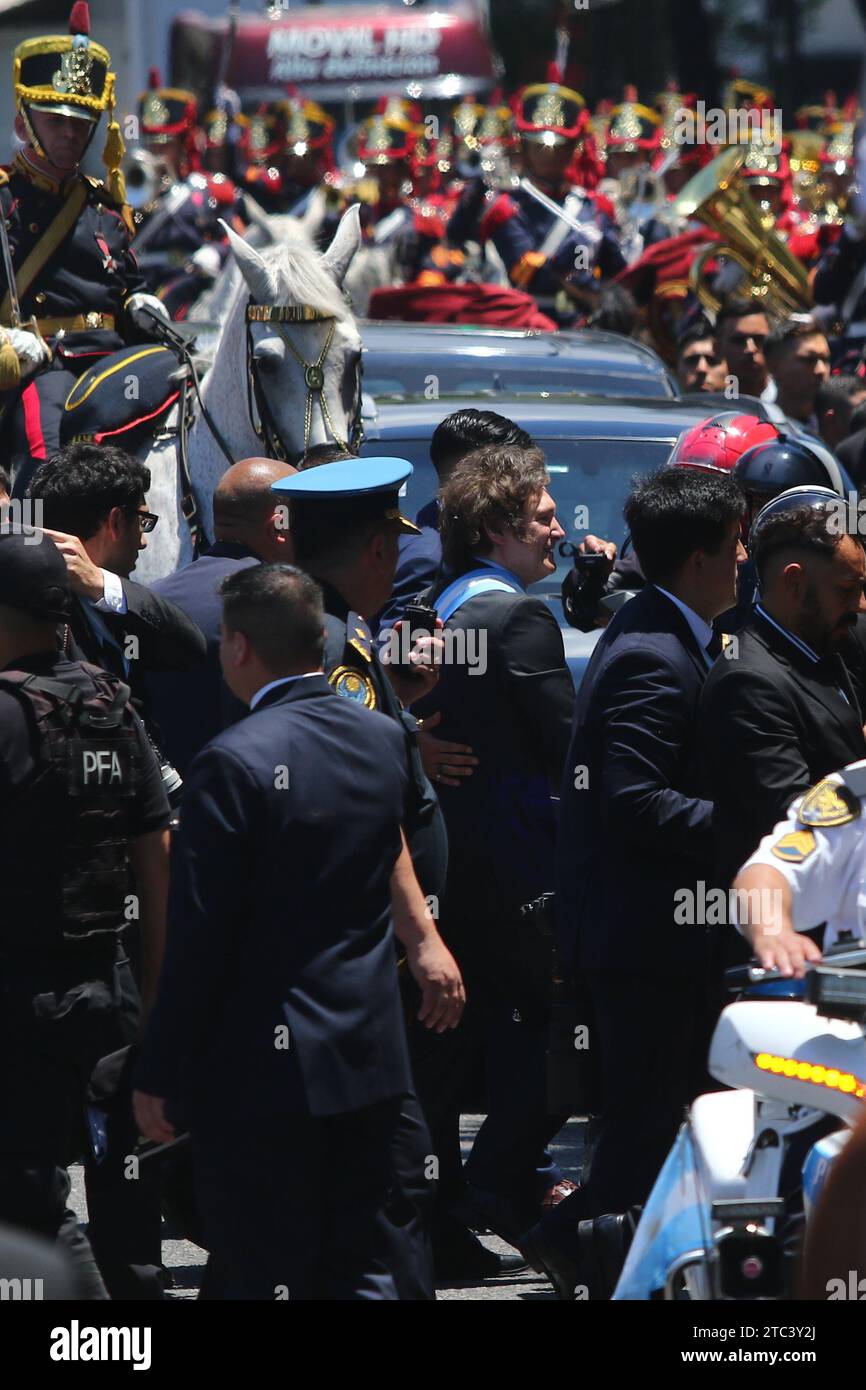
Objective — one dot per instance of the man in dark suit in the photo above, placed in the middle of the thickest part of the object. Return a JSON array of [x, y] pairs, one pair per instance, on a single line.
[[504, 689], [278, 1022], [93, 507], [779, 710], [191, 708], [346, 523], [633, 834]]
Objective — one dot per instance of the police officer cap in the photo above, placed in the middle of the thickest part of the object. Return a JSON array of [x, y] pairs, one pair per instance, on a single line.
[[33, 576], [364, 487]]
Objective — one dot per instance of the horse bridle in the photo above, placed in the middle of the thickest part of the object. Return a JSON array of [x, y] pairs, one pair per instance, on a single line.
[[260, 412]]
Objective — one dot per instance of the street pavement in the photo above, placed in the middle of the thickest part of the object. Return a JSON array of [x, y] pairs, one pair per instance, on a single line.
[[186, 1261]]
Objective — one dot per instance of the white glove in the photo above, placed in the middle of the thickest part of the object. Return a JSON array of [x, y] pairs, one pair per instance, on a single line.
[[31, 352], [207, 260], [135, 307]]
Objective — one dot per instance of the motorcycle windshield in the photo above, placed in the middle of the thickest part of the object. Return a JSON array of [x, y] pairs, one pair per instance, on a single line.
[[675, 1220]]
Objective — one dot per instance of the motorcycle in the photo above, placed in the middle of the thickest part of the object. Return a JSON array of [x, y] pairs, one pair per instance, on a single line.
[[726, 1215]]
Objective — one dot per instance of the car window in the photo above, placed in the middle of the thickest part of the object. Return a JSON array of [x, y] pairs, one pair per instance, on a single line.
[[589, 481], [389, 376]]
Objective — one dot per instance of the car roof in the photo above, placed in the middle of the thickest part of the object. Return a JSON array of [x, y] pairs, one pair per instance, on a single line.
[[588, 346], [551, 417]]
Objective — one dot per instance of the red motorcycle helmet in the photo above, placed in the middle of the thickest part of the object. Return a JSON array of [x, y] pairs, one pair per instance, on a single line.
[[716, 444]]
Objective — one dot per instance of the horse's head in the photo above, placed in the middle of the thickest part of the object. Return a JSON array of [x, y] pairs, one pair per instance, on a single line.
[[303, 345]]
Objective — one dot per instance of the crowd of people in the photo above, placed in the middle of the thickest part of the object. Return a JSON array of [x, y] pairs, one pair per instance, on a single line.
[[305, 843], [285, 1034]]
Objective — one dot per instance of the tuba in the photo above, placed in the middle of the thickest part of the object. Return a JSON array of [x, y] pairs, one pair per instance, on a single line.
[[146, 178], [775, 278]]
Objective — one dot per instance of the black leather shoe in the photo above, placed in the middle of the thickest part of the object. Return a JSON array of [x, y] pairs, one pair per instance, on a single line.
[[463, 1258], [482, 1210], [548, 1259]]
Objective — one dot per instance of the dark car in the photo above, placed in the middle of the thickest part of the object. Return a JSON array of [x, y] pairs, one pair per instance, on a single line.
[[593, 447], [402, 360]]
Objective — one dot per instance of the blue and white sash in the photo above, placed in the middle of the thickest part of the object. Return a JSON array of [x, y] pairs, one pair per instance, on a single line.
[[486, 580]]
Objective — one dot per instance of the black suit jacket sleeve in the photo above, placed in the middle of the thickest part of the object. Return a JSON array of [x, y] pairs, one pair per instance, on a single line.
[[647, 729], [539, 681], [168, 639], [211, 891], [754, 749]]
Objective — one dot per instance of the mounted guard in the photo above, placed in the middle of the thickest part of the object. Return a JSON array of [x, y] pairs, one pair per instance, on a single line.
[[71, 295]]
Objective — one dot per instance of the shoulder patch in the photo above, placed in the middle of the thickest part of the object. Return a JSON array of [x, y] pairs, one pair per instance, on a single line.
[[794, 847], [828, 803], [353, 685]]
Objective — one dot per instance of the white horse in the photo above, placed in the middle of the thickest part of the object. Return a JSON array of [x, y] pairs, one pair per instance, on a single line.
[[265, 229], [283, 352]]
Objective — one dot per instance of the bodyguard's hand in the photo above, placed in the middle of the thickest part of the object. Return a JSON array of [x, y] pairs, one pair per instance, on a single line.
[[437, 974], [84, 576], [444, 762], [149, 1114], [419, 677]]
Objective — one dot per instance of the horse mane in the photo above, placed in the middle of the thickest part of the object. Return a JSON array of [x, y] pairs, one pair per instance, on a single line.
[[299, 275]]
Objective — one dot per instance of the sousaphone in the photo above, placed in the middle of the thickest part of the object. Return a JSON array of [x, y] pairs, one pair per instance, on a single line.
[[774, 277]]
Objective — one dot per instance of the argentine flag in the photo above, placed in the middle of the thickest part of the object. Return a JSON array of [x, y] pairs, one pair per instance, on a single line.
[[676, 1219]]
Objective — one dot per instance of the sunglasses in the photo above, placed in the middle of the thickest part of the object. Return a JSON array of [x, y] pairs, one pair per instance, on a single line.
[[146, 520]]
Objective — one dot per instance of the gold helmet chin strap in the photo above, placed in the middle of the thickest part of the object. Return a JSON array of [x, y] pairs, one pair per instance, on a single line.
[[34, 138]]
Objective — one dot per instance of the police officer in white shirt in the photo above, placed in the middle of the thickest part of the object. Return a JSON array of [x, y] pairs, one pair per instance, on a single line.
[[811, 869]]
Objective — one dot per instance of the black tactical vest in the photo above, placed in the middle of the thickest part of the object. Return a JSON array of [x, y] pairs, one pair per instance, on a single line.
[[68, 853]]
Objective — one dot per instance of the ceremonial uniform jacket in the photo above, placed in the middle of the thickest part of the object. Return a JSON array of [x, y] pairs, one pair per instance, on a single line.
[[194, 223], [539, 249], [840, 275], [90, 273]]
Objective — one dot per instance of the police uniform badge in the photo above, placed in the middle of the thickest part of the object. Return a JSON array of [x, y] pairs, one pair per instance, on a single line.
[[828, 803], [794, 847], [353, 685]]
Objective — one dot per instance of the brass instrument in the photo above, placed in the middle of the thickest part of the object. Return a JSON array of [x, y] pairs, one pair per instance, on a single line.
[[146, 176], [776, 279]]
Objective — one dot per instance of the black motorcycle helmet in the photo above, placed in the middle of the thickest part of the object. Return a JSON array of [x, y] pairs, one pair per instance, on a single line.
[[790, 461]]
